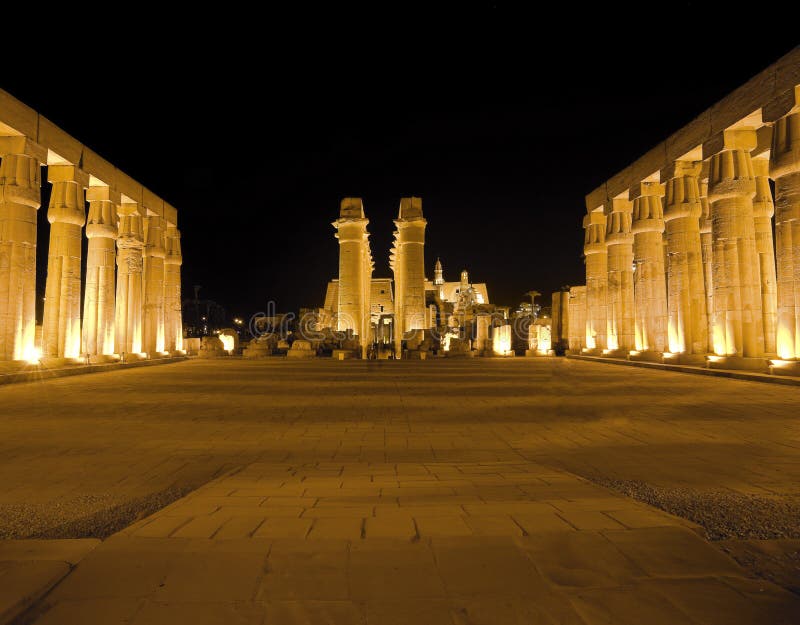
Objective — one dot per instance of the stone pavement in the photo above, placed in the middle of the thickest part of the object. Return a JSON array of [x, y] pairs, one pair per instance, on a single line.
[[400, 492]]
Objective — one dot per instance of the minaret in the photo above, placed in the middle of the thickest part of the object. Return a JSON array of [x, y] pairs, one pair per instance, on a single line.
[[355, 270], [407, 260], [438, 273]]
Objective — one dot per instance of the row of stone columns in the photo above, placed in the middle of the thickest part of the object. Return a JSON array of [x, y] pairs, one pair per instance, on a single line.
[[129, 306], [686, 264]]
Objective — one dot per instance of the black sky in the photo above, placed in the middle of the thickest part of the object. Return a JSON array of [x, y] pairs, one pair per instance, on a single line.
[[256, 133]]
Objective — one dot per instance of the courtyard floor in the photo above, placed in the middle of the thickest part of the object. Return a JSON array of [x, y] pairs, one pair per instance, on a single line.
[[424, 492]]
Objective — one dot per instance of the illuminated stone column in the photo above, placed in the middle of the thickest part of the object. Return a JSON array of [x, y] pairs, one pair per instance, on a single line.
[[619, 241], [785, 170], [763, 210], [173, 322], [20, 197], [355, 261], [650, 289], [408, 264], [738, 322], [98, 301], [707, 259], [61, 327], [577, 319], [594, 249], [128, 318], [154, 254], [687, 329]]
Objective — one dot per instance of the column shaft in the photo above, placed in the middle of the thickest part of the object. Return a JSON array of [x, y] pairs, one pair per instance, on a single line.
[[128, 318], [738, 321], [173, 321], [763, 210], [154, 253], [708, 262], [686, 297], [619, 240], [785, 169], [650, 291], [61, 328], [20, 197], [596, 254], [99, 299]]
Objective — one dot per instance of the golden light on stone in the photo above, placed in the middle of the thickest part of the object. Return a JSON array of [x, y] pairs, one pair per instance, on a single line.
[[501, 340], [710, 282]]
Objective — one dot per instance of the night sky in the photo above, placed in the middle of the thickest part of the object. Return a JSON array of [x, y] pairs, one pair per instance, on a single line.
[[255, 138]]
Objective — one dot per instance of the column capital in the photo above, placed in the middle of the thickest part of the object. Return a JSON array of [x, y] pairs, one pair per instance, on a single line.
[[68, 173], [682, 197], [619, 215], [173, 245], [102, 193], [154, 237], [646, 188], [762, 201], [594, 224], [785, 153], [103, 220], [740, 139]]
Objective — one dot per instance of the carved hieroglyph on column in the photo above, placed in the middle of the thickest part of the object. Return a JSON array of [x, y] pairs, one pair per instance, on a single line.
[[785, 169], [407, 260], [650, 290], [154, 253], [128, 318], [173, 323], [738, 323], [98, 301], [594, 248], [620, 274], [707, 255], [763, 210], [355, 270], [20, 197], [61, 327], [688, 321]]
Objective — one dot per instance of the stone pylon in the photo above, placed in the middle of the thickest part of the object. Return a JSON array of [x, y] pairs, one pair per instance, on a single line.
[[707, 259], [650, 289], [20, 197], [173, 322], [154, 253], [785, 170], [687, 329], [594, 249], [407, 260], [619, 241], [355, 271], [763, 211], [61, 327], [738, 320], [128, 318], [99, 297]]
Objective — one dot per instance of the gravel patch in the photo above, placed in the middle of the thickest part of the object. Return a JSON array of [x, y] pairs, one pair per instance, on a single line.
[[85, 516], [723, 514]]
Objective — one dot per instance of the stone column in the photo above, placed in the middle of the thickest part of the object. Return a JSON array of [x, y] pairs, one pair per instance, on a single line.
[[61, 327], [20, 197], [354, 261], [738, 322], [173, 320], [130, 241], [687, 329], [650, 289], [707, 259], [154, 254], [577, 319], [98, 301], [785, 170], [409, 269], [620, 275], [763, 210], [594, 249]]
